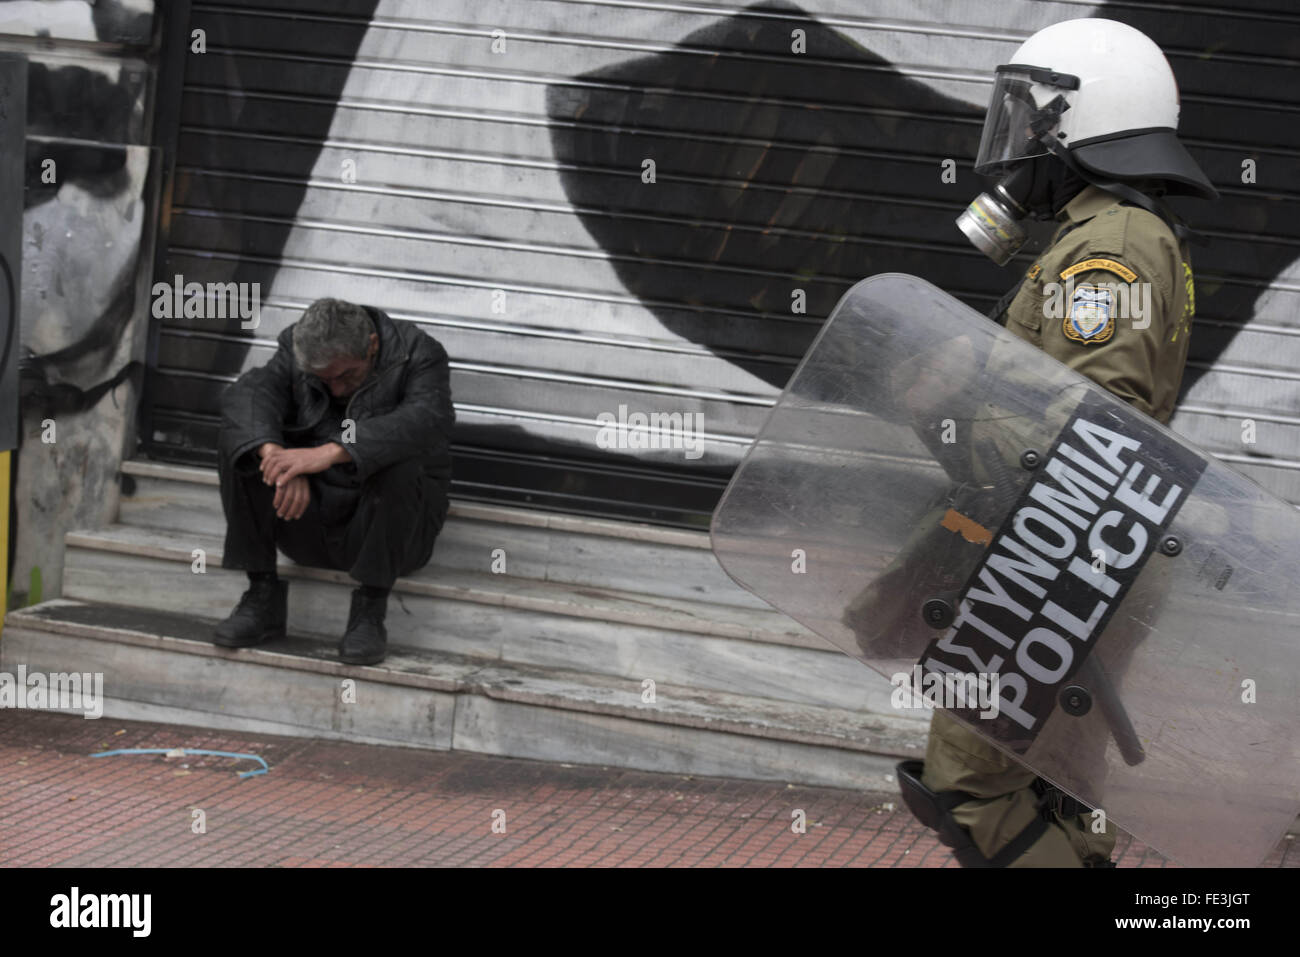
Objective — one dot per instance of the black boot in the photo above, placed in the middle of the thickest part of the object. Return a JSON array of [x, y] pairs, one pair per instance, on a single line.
[[260, 615], [366, 640]]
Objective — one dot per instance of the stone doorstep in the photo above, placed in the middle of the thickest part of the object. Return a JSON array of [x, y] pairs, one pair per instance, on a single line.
[[549, 688], [189, 501], [579, 601], [579, 553], [491, 632], [473, 511]]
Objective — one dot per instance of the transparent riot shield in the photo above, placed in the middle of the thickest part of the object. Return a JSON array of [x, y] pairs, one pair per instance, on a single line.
[[1079, 585]]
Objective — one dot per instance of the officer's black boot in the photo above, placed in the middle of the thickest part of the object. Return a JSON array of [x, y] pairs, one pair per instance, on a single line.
[[934, 810], [366, 640], [259, 616]]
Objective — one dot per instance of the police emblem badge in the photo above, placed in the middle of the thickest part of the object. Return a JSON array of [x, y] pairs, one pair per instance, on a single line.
[[1092, 314]]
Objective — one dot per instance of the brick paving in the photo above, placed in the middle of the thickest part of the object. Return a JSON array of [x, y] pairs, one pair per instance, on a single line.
[[335, 804]]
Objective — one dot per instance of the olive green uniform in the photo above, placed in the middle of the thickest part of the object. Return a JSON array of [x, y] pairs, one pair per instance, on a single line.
[[1102, 246]]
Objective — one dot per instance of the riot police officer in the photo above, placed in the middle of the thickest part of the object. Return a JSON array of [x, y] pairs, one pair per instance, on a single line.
[[1081, 129]]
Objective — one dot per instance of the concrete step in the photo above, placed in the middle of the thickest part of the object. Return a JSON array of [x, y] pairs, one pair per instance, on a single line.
[[498, 618], [541, 546], [158, 665]]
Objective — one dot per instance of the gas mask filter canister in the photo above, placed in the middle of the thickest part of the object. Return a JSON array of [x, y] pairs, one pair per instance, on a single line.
[[992, 224]]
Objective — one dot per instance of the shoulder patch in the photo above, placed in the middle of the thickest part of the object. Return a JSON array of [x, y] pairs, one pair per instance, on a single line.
[[1109, 265], [1092, 314]]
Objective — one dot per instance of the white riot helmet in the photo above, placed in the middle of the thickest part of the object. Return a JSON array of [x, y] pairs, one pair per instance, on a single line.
[[1100, 96], [1101, 89]]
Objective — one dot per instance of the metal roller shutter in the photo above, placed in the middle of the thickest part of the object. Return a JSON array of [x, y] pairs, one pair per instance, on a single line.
[[396, 153]]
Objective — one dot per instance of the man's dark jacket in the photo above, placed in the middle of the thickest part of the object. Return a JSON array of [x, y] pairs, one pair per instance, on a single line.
[[403, 409]]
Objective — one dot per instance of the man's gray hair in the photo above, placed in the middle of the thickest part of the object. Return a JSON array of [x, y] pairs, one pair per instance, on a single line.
[[331, 329]]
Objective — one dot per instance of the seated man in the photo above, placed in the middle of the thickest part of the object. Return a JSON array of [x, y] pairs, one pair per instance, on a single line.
[[337, 451]]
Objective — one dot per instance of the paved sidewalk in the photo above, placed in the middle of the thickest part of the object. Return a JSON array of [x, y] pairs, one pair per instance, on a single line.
[[331, 804]]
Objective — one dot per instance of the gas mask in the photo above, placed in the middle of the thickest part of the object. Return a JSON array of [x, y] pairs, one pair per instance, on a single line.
[[1032, 189]]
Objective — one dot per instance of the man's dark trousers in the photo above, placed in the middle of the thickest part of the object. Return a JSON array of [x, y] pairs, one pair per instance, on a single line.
[[376, 533]]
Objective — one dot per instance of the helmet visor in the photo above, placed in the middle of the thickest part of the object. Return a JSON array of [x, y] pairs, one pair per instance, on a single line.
[[1025, 108]]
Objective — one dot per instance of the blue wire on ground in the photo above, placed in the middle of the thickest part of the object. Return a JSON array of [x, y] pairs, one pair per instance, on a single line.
[[219, 754]]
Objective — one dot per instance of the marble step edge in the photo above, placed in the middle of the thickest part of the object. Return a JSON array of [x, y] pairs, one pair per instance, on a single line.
[[474, 511], [522, 684], [434, 581]]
